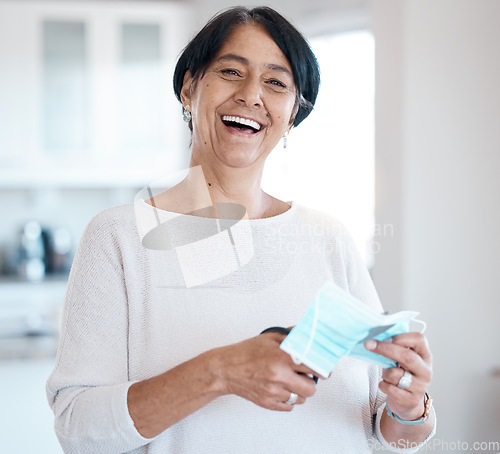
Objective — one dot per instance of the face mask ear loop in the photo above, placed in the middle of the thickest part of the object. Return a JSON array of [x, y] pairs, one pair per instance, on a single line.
[[424, 325], [298, 359]]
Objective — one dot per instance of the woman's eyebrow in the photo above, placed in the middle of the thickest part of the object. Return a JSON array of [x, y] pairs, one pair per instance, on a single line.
[[245, 61], [231, 57]]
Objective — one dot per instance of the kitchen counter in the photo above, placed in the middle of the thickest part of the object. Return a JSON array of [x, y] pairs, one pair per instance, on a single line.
[[29, 330], [28, 348]]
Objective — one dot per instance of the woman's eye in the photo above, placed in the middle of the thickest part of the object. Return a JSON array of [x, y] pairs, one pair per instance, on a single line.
[[277, 83], [230, 72]]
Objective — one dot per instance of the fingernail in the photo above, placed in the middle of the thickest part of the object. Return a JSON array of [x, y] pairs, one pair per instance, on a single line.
[[370, 344]]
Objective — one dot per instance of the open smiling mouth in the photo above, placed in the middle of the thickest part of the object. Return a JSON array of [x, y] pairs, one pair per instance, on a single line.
[[241, 124]]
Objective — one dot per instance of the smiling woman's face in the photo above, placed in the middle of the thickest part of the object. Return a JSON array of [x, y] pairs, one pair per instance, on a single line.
[[244, 103]]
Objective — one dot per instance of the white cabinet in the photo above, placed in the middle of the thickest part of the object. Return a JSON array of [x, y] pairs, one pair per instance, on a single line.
[[86, 93]]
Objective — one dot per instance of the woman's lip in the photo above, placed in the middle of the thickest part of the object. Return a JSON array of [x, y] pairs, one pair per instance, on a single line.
[[242, 132], [243, 120]]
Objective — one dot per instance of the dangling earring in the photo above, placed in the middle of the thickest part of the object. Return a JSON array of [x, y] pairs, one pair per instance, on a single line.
[[285, 139], [186, 114]]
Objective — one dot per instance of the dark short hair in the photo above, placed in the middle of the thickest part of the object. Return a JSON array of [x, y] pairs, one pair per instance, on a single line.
[[202, 49]]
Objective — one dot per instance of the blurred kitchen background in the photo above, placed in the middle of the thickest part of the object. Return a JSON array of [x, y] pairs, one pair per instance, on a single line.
[[403, 147]]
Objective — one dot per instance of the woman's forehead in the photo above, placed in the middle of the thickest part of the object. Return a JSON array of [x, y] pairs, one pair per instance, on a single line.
[[252, 43]]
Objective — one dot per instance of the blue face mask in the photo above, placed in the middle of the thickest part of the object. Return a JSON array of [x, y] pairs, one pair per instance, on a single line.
[[338, 324]]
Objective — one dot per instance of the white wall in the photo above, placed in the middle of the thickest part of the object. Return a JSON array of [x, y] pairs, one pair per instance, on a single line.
[[313, 17], [437, 152]]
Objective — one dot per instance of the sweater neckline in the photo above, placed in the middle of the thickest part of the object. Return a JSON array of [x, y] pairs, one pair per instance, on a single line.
[[279, 217]]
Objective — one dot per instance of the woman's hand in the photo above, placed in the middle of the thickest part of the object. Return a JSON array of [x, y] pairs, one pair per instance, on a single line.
[[411, 352], [257, 370]]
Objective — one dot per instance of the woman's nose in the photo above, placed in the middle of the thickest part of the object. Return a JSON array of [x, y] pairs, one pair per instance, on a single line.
[[249, 92]]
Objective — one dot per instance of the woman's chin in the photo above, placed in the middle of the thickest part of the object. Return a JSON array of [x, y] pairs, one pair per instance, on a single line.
[[240, 159]]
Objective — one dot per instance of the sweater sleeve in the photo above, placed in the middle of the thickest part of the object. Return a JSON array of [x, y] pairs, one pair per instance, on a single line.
[[88, 387], [361, 286]]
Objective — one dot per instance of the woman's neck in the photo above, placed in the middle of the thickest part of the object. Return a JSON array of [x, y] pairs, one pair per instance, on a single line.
[[230, 185]]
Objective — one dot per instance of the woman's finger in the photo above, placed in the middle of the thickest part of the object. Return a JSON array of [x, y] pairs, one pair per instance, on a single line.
[[299, 400], [392, 375], [303, 369], [402, 402], [407, 358], [415, 341], [301, 384]]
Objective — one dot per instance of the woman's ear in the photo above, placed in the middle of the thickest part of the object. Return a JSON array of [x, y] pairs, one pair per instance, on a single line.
[[295, 111], [187, 86]]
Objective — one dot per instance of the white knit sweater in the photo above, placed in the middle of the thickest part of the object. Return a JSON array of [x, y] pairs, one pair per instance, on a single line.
[[129, 315]]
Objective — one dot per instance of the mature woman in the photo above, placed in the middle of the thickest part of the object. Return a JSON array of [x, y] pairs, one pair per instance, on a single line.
[[149, 362]]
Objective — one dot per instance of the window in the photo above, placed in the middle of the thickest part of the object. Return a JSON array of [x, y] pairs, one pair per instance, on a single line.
[[329, 162]]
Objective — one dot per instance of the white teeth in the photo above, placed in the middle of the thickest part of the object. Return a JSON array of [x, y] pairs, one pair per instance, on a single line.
[[243, 121]]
